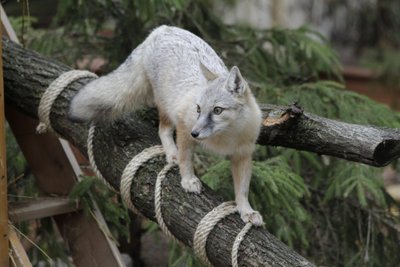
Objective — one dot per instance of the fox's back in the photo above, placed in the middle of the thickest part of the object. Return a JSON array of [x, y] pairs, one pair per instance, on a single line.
[[172, 63], [172, 68]]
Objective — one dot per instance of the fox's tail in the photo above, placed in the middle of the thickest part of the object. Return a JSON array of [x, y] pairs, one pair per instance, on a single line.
[[125, 89]]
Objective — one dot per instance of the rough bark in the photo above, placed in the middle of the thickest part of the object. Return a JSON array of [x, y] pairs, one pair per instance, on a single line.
[[304, 131], [27, 75], [366, 144]]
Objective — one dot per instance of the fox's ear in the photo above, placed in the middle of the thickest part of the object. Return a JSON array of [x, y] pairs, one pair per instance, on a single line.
[[210, 76], [235, 83]]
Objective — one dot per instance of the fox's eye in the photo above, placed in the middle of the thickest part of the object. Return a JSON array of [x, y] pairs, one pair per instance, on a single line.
[[198, 109], [218, 110]]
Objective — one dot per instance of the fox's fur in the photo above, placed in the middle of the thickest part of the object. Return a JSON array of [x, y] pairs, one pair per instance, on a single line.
[[195, 93]]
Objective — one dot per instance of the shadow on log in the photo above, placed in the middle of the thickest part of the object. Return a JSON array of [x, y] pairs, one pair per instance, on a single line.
[[26, 76]]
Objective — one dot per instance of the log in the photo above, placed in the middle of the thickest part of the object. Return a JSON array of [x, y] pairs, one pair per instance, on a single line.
[[27, 74], [303, 131]]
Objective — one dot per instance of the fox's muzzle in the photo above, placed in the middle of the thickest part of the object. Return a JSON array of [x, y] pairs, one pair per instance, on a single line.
[[203, 127]]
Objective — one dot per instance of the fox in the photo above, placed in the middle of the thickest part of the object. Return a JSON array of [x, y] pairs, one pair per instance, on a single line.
[[196, 96]]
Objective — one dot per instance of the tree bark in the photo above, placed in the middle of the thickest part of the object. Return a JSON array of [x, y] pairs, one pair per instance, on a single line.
[[304, 131], [27, 74]]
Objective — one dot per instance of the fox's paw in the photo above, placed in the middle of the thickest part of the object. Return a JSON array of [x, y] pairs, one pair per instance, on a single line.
[[191, 184], [253, 216]]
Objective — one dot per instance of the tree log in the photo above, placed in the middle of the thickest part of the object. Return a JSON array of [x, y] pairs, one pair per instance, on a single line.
[[26, 76], [366, 144], [304, 131]]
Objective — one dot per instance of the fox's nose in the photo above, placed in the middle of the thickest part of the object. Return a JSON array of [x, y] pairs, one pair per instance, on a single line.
[[194, 134]]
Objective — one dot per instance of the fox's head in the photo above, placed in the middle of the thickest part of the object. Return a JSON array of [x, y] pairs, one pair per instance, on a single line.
[[222, 104]]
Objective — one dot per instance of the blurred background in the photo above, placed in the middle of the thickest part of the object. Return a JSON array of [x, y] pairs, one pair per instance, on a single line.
[[338, 58]]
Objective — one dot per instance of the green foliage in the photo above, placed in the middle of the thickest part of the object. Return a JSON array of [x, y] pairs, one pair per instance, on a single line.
[[276, 193], [334, 212], [90, 191], [51, 248], [358, 181], [329, 99], [279, 56], [51, 42], [105, 22]]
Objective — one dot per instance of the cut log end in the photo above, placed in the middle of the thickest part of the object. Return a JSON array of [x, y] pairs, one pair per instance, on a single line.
[[387, 151]]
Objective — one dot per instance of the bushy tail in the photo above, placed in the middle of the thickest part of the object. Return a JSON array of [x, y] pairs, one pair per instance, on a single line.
[[106, 98]]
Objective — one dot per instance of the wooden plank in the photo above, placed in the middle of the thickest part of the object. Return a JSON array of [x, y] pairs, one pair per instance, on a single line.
[[40, 208], [72, 157], [6, 27], [89, 243], [18, 253], [394, 191], [4, 245]]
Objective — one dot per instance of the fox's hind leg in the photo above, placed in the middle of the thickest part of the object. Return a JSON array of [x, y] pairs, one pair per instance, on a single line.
[[186, 145], [166, 133]]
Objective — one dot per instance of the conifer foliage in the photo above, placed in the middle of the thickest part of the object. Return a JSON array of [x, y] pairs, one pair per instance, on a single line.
[[335, 213]]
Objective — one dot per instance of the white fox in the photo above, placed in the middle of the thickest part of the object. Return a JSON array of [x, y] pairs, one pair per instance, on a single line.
[[195, 93]]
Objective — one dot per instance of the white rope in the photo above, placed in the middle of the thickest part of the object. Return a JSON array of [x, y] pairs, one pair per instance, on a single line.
[[157, 201], [92, 161], [47, 101], [51, 93], [130, 171], [238, 241], [206, 224]]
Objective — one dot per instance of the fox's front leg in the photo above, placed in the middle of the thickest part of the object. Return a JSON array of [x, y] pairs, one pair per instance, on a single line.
[[166, 133], [186, 144], [241, 172]]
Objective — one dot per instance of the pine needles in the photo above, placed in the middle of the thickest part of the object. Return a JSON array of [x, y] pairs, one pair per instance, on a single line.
[[91, 192], [334, 212]]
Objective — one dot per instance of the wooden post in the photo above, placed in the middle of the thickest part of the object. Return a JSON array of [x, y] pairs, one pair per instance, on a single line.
[[4, 245]]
